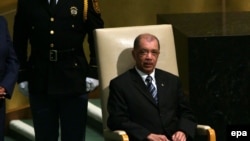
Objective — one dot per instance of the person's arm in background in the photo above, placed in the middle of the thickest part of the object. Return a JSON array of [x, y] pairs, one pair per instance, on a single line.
[[20, 42], [93, 21], [9, 78]]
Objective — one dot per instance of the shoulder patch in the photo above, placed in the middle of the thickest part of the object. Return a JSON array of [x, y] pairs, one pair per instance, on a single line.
[[96, 6]]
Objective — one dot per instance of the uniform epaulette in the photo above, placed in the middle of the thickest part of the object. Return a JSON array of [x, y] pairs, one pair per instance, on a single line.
[[85, 8]]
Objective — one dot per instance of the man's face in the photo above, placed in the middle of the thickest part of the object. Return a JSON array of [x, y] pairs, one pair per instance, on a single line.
[[146, 55]]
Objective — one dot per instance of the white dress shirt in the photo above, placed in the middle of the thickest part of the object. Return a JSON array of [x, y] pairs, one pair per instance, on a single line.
[[144, 76]]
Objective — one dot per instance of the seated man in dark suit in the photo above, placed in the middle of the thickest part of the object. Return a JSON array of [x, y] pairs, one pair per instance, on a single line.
[[148, 103]]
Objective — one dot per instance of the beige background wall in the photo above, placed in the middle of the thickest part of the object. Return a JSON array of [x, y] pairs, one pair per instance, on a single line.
[[141, 12], [134, 12]]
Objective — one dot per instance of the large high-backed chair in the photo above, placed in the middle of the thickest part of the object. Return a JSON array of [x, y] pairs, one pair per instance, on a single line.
[[114, 46]]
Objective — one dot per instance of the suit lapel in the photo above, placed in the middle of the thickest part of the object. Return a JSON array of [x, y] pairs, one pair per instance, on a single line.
[[61, 2], [161, 86], [140, 86], [45, 4]]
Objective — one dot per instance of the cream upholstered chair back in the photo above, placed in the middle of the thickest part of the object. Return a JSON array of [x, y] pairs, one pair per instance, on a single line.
[[114, 46]]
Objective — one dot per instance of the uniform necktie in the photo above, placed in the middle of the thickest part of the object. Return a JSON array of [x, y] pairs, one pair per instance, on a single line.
[[52, 4], [151, 88]]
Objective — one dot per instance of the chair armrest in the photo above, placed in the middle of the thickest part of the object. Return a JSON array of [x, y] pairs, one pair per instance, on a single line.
[[206, 130], [117, 135], [120, 135]]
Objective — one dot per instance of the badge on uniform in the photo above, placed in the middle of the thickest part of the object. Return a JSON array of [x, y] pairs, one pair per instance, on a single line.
[[73, 10]]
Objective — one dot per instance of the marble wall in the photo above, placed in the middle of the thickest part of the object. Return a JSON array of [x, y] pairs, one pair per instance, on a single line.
[[213, 57]]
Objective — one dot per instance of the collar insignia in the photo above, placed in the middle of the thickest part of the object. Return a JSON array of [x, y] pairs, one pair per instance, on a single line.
[[73, 10]]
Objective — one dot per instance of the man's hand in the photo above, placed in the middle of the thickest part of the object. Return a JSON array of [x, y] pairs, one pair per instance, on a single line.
[[2, 93], [24, 88], [157, 137], [91, 84], [179, 136]]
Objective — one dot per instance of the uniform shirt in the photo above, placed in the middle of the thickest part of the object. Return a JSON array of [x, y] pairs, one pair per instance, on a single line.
[[56, 1]]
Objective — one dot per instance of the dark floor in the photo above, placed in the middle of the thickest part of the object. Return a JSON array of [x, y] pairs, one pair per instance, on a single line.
[[93, 129], [91, 135]]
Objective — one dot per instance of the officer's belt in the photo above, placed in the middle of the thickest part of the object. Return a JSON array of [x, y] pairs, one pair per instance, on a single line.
[[55, 55]]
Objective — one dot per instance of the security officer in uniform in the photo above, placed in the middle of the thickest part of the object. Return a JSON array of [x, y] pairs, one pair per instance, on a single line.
[[54, 66]]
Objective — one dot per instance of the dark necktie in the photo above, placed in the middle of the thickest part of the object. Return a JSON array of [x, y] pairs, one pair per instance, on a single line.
[[151, 88], [52, 4]]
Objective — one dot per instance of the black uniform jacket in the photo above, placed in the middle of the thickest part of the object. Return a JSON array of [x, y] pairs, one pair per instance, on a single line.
[[132, 108], [56, 63]]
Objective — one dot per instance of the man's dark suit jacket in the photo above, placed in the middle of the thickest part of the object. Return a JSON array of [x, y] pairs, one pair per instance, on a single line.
[[8, 69], [132, 108], [62, 29]]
